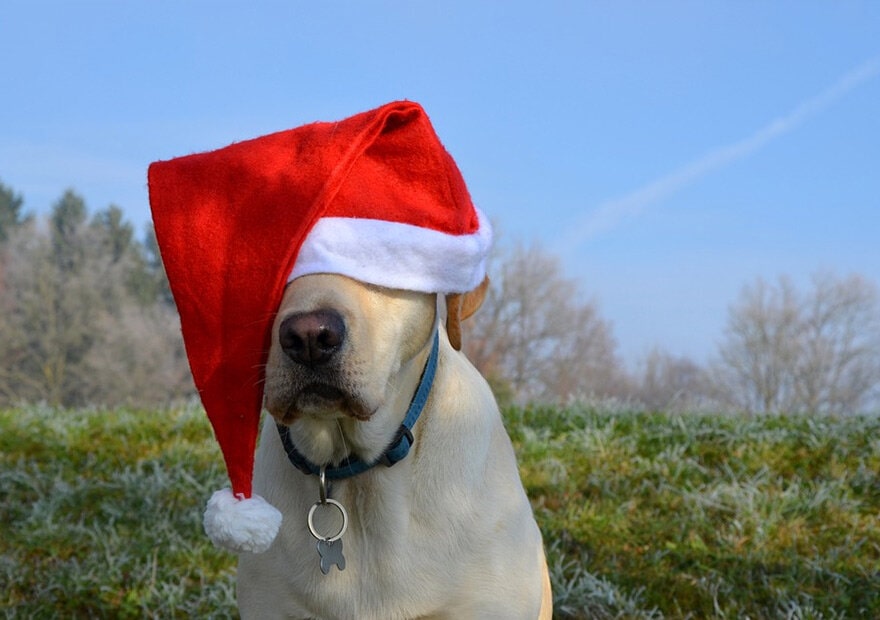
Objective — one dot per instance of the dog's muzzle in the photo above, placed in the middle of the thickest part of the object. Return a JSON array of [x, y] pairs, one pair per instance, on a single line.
[[313, 344]]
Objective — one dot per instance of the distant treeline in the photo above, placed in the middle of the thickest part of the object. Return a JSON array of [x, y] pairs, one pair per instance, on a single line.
[[87, 318]]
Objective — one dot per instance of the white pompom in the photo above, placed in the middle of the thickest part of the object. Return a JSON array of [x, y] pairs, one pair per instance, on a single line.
[[241, 524]]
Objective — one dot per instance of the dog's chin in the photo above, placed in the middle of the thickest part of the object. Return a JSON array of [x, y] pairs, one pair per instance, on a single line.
[[320, 400]]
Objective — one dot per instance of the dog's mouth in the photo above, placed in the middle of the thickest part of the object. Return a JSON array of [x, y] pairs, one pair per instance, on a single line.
[[322, 392], [323, 399]]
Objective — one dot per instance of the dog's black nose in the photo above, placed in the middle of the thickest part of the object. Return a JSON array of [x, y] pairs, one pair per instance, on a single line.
[[312, 338]]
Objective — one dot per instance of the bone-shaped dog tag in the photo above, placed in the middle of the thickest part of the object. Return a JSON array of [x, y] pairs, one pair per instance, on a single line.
[[331, 553]]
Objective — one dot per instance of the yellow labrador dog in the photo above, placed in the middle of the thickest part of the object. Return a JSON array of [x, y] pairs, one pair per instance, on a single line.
[[447, 531]]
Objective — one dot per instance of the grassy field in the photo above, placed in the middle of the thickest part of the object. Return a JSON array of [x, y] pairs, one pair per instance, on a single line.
[[644, 515]]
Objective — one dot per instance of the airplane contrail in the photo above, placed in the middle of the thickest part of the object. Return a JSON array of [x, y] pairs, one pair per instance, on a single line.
[[614, 212]]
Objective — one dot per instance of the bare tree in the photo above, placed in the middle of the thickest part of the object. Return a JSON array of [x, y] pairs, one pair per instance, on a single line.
[[140, 361], [534, 338], [839, 364], [760, 349], [672, 383], [786, 352]]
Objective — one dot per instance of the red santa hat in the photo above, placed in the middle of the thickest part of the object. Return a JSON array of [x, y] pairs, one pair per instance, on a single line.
[[375, 197]]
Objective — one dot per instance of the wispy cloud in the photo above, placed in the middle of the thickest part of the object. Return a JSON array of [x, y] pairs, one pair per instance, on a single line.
[[613, 213]]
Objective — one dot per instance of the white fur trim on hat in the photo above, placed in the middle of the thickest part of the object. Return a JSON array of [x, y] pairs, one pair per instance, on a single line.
[[241, 524], [396, 255]]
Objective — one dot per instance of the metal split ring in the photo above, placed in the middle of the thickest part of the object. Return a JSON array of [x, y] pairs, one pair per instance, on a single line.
[[342, 511]]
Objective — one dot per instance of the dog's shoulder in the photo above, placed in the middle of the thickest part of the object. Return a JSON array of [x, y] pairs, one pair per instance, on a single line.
[[460, 389]]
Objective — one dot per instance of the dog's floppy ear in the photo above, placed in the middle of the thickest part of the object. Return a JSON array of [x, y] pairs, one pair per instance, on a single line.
[[460, 306]]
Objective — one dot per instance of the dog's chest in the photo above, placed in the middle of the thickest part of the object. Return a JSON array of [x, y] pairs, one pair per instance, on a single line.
[[392, 565]]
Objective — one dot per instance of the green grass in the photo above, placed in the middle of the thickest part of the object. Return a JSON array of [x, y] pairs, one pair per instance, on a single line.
[[100, 516], [652, 515], [644, 515]]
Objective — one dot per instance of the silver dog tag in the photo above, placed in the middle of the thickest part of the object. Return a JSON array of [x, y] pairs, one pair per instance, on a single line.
[[330, 552], [329, 547]]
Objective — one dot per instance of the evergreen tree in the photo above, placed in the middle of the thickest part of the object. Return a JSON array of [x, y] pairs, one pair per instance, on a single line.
[[65, 224], [115, 236], [10, 212]]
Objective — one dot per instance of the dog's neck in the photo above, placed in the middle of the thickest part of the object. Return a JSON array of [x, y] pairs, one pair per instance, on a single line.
[[396, 449]]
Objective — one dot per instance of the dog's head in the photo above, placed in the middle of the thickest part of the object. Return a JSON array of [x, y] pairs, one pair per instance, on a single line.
[[338, 345]]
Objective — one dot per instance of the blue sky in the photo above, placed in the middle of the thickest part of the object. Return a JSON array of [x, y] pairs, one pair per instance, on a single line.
[[670, 152]]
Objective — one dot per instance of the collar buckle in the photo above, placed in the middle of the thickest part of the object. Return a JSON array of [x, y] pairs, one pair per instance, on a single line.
[[397, 449]]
